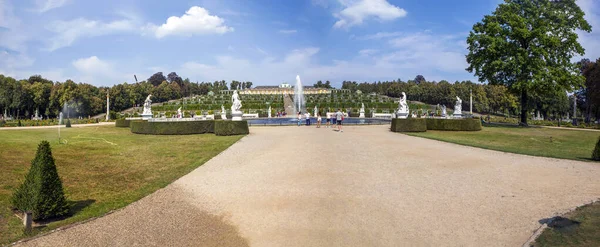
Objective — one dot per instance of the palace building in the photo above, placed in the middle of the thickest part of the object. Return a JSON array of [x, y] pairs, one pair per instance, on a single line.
[[284, 88]]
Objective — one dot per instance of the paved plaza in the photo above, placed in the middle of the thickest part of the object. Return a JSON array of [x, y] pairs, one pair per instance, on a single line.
[[303, 186]]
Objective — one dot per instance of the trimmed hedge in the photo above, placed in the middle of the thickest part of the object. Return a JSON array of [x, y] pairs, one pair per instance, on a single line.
[[122, 123], [42, 191], [466, 124], [172, 128], [409, 125], [596, 152], [228, 128]]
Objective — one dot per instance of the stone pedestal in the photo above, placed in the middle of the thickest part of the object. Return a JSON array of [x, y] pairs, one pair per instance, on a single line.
[[223, 116], [236, 115], [402, 115], [362, 115], [146, 116], [457, 115], [269, 114]]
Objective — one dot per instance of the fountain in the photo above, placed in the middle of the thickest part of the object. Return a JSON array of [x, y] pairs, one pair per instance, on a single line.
[[299, 102]]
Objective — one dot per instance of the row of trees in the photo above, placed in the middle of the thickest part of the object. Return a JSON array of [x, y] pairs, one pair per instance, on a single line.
[[21, 98]]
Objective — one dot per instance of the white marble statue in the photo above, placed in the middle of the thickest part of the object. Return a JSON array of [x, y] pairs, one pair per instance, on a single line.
[[316, 111], [222, 109], [444, 113], [402, 107], [148, 105], [236, 107], [362, 111], [269, 113], [179, 113], [458, 107]]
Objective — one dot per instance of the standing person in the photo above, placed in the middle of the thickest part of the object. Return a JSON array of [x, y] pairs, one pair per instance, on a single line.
[[299, 118], [333, 117], [339, 116], [328, 120], [307, 119], [319, 120]]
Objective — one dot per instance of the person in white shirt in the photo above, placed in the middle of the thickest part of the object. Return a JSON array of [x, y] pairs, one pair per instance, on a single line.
[[319, 120], [339, 117]]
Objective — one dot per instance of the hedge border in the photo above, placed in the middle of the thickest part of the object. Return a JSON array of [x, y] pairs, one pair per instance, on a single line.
[[172, 128], [122, 123], [466, 124], [228, 128], [409, 125]]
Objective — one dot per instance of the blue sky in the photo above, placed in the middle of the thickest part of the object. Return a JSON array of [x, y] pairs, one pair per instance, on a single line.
[[263, 41]]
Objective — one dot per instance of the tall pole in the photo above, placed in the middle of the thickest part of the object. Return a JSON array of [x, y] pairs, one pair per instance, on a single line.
[[471, 101], [107, 106]]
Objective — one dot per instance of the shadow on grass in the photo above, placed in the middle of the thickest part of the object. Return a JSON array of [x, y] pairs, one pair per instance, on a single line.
[[561, 224], [74, 208]]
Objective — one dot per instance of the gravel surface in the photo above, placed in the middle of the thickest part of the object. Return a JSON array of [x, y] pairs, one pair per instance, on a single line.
[[303, 186]]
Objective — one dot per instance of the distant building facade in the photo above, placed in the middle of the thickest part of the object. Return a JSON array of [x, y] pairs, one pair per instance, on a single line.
[[284, 88]]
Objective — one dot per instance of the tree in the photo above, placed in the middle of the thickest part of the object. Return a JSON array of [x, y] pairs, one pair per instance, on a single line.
[[157, 79], [591, 72], [42, 192], [419, 79], [174, 78], [528, 45], [248, 84]]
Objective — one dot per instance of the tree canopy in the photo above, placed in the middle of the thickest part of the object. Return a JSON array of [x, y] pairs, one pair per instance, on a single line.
[[528, 45]]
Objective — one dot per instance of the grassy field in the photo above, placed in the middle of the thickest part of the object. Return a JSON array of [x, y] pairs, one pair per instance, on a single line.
[[555, 143], [587, 233], [102, 168]]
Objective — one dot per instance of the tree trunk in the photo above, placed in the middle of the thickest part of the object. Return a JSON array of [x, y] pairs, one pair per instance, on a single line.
[[524, 107]]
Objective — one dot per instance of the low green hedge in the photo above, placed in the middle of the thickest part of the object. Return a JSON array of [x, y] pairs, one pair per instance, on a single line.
[[466, 124], [122, 123], [228, 128], [409, 125], [172, 128]]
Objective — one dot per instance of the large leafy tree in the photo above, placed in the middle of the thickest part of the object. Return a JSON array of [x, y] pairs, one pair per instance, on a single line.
[[528, 45], [157, 79]]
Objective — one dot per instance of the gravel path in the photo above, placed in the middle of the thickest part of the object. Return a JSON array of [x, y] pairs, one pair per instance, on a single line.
[[302, 186]]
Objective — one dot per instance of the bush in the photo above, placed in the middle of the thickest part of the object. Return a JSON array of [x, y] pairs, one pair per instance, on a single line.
[[68, 125], [42, 192], [19, 123], [466, 124], [228, 128], [172, 128], [596, 153], [409, 125], [122, 123]]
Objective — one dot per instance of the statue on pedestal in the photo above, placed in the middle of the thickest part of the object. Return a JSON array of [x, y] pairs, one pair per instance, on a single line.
[[402, 107], [236, 107], [269, 113], [147, 113], [444, 113], [362, 111], [458, 107], [179, 113]]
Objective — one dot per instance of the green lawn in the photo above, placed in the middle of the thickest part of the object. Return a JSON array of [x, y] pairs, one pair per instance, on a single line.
[[102, 168], [555, 143], [586, 234]]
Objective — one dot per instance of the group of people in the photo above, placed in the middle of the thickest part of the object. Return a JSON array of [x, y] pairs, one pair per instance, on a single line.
[[281, 114], [334, 120]]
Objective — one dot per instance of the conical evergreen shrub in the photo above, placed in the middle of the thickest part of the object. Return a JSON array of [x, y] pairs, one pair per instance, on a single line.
[[42, 192], [596, 153], [68, 125]]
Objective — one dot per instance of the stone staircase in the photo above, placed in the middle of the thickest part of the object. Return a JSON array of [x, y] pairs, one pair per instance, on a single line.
[[288, 104]]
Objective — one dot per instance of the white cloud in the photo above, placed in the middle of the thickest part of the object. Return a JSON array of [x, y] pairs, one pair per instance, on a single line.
[[423, 49], [379, 35], [67, 32], [46, 5], [196, 20], [379, 65], [288, 31], [356, 12], [367, 52], [92, 66]]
